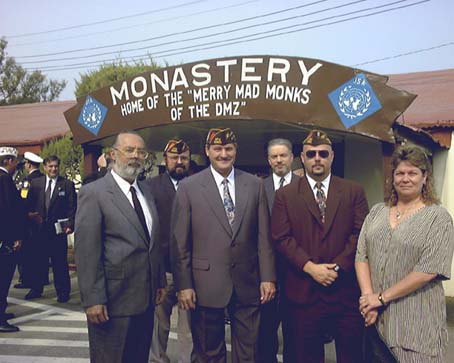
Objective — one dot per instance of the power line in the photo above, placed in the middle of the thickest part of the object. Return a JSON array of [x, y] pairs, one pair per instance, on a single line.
[[136, 25], [406, 54], [177, 33], [104, 21], [242, 39], [203, 36]]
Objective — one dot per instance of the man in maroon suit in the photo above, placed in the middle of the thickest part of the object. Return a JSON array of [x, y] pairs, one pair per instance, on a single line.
[[315, 226]]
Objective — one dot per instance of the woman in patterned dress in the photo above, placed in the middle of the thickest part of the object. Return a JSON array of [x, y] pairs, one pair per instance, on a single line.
[[404, 252]]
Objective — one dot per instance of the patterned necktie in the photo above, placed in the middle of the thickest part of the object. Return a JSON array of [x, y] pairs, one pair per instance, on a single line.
[[281, 183], [139, 211], [321, 200], [47, 195], [228, 203]]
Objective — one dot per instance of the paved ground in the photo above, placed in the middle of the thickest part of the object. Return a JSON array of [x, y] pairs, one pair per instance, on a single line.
[[56, 333]]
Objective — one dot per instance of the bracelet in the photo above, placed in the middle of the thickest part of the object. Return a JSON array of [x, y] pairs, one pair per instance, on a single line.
[[380, 298]]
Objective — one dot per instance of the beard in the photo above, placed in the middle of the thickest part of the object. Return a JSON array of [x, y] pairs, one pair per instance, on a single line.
[[129, 170], [178, 175]]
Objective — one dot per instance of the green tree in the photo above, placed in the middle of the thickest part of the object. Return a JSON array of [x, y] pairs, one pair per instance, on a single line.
[[108, 74], [19, 86], [71, 157]]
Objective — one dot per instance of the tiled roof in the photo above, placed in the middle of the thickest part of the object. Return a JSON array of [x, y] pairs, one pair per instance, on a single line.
[[434, 106], [33, 123]]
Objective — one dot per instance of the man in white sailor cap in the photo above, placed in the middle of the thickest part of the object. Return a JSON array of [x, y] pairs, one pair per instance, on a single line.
[[12, 222], [31, 163]]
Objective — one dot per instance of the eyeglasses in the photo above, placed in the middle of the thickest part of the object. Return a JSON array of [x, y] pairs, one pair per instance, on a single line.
[[310, 154], [130, 152]]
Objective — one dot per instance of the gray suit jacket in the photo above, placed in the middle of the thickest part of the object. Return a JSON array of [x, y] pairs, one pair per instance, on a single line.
[[116, 265], [269, 189], [210, 256]]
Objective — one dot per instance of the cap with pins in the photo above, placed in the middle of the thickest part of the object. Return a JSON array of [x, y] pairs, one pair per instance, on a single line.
[[220, 137], [317, 137]]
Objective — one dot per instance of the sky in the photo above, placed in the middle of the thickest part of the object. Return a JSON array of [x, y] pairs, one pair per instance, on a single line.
[[417, 35]]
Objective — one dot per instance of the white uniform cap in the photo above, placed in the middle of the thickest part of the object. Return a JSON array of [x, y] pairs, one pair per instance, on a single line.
[[32, 157], [8, 151]]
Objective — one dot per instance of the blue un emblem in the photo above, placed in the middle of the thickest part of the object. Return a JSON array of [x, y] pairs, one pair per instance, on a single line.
[[92, 115], [354, 100]]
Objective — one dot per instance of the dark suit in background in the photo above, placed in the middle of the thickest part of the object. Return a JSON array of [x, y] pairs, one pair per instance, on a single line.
[[26, 254], [45, 242], [272, 314], [12, 225]]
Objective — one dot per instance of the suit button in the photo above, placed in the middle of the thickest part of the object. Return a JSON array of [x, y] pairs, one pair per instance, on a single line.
[[232, 265]]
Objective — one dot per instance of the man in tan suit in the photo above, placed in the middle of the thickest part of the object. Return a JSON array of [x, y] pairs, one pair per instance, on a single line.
[[221, 252]]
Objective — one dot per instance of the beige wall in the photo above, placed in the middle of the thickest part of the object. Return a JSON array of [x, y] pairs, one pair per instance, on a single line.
[[443, 163], [363, 163]]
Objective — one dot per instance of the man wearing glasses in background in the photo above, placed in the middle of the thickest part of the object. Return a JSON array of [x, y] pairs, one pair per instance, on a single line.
[[315, 226], [118, 257]]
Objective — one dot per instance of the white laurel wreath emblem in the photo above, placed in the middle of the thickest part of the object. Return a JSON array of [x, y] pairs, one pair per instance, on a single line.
[[91, 114], [354, 101]]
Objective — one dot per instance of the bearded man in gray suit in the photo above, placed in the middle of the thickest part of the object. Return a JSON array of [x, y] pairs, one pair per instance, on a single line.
[[118, 259], [221, 252]]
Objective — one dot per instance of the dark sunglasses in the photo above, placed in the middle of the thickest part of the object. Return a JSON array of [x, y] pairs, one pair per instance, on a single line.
[[310, 154]]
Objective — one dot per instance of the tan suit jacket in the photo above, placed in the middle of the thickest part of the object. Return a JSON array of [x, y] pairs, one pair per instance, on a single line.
[[212, 257]]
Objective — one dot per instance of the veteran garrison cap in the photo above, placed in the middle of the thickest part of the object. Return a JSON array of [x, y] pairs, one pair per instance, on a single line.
[[317, 137], [220, 137], [176, 146], [8, 151], [32, 157]]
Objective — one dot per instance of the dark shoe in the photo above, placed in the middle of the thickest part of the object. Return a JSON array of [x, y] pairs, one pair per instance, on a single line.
[[63, 298], [7, 316], [21, 285], [33, 294], [8, 328]]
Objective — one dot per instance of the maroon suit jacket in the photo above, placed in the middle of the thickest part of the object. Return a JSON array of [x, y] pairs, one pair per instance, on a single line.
[[300, 236]]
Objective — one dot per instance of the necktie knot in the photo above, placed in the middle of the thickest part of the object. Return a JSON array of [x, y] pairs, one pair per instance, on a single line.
[[281, 182]]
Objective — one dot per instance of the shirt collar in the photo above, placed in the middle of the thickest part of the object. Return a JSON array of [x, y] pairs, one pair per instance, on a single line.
[[124, 185], [219, 178], [54, 180], [287, 177], [325, 182], [1, 167]]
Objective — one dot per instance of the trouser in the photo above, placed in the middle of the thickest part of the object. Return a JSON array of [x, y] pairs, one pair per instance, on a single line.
[[55, 247], [208, 333], [124, 339], [7, 266], [158, 353], [309, 323]]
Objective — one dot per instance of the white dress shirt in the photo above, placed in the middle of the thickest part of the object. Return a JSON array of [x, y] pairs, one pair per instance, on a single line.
[[52, 187], [125, 187], [277, 180], [231, 183], [325, 185]]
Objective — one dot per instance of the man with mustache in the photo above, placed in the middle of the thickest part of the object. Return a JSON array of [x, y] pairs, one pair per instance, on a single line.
[[118, 257], [221, 253], [177, 157], [315, 226]]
